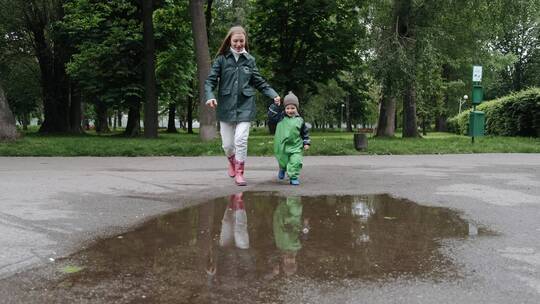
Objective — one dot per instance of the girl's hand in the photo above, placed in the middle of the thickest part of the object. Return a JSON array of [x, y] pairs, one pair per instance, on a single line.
[[212, 103], [306, 147], [277, 100]]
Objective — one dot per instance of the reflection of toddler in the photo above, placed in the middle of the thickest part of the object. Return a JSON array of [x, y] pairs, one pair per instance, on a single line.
[[287, 226]]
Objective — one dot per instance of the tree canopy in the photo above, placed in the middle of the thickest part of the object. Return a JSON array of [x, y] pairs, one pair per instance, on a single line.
[[393, 63]]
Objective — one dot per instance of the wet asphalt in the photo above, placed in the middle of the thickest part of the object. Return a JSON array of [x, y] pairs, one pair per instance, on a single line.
[[380, 229]]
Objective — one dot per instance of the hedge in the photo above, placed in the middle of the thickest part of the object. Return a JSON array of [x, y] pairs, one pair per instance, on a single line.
[[517, 114]]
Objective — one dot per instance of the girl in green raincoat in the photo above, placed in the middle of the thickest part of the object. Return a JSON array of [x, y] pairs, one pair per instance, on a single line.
[[291, 138], [236, 76]]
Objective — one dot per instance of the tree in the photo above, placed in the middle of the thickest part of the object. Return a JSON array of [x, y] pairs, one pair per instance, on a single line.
[[108, 57], [35, 20], [176, 67], [8, 131], [517, 34], [20, 76], [324, 108], [207, 120], [305, 42], [151, 104]]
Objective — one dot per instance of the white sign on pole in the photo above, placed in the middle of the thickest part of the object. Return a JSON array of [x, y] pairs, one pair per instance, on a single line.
[[477, 73]]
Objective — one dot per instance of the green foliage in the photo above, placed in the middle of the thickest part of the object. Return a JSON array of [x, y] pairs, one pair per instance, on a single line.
[[19, 69], [517, 114], [175, 66], [107, 36], [516, 35], [20, 77], [305, 42], [328, 52], [325, 106]]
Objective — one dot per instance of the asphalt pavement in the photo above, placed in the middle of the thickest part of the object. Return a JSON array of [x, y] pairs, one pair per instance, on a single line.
[[53, 207]]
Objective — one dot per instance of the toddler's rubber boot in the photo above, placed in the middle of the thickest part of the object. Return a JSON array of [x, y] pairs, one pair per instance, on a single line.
[[294, 182], [281, 173], [231, 170], [239, 176]]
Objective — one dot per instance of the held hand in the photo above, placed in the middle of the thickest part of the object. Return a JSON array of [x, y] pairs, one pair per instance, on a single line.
[[212, 103], [277, 100], [306, 147]]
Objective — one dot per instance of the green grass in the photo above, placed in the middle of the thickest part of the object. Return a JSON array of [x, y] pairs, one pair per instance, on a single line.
[[260, 143]]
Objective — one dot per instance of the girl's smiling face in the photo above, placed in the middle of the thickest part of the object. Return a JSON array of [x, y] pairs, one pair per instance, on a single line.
[[290, 110], [238, 41]]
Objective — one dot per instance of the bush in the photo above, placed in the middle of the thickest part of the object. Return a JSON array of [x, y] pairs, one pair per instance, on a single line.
[[517, 114]]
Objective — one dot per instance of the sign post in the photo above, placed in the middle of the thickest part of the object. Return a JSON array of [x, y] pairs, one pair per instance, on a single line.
[[476, 118]]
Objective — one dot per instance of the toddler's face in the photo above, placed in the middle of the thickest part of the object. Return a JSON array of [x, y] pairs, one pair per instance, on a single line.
[[290, 110], [238, 41]]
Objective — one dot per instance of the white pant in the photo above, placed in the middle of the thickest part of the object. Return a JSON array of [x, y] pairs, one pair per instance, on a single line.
[[234, 138], [234, 229]]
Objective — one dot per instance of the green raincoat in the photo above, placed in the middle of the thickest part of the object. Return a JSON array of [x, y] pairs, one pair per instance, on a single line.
[[236, 90]]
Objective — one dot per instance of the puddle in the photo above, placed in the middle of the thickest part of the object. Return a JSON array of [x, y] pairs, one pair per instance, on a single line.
[[250, 246]]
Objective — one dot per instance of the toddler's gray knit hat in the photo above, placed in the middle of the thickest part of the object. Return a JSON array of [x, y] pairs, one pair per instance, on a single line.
[[291, 99]]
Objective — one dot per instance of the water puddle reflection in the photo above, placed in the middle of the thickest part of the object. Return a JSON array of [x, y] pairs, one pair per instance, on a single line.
[[248, 246]]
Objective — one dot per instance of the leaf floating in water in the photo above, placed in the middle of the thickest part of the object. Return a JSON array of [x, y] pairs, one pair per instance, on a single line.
[[390, 218], [71, 269]]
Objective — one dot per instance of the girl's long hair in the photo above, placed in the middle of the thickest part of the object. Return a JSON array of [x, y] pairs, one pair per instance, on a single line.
[[226, 44]]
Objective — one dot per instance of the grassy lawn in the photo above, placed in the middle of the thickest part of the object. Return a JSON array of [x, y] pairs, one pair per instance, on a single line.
[[260, 143]]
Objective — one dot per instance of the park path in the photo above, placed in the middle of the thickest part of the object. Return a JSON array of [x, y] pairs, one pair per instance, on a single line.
[[52, 207]]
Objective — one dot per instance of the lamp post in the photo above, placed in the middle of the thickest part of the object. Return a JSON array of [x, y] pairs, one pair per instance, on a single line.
[[462, 101]]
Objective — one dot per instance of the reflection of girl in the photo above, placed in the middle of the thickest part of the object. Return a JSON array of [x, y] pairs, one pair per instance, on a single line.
[[232, 265], [287, 224]]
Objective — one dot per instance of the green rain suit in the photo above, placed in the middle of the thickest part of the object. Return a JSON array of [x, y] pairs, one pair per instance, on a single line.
[[287, 224], [289, 140]]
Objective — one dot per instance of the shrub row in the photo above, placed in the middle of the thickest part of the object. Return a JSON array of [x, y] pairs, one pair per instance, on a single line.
[[517, 114]]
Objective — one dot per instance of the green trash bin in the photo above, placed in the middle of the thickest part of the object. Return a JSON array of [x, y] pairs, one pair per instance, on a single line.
[[477, 94], [476, 123]]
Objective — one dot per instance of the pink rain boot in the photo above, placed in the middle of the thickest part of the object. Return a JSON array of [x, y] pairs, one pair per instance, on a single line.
[[239, 176], [231, 170]]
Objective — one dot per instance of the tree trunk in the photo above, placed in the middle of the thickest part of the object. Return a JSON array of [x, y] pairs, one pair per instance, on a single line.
[[133, 127], [405, 29], [208, 18], [55, 97], [25, 121], [207, 120], [387, 115], [101, 124], [441, 113], [8, 130], [204, 238], [119, 118], [52, 57], [348, 114], [189, 116], [410, 125], [151, 104], [75, 110], [440, 123], [171, 125]]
